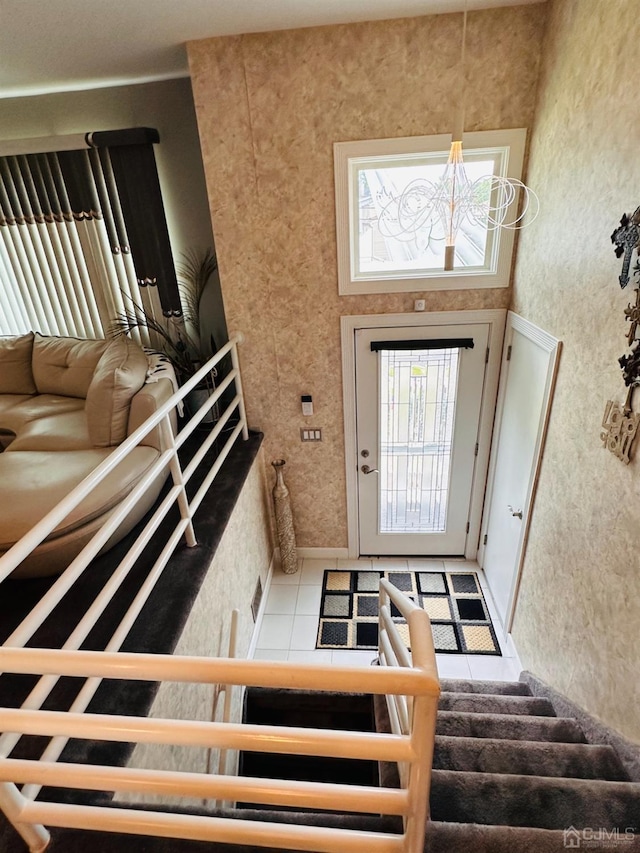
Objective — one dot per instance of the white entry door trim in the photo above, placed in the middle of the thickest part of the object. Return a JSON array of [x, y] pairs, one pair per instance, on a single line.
[[495, 318], [551, 347]]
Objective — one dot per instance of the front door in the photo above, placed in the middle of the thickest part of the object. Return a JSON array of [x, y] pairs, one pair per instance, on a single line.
[[419, 393]]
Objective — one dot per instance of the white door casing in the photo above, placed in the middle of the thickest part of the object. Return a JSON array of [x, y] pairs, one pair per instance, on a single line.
[[527, 378], [494, 319]]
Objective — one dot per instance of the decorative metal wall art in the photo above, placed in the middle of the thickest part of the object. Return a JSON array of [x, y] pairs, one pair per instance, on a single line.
[[620, 423], [626, 238], [619, 426]]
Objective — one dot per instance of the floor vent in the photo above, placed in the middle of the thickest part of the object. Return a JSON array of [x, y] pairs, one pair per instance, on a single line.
[[257, 598]]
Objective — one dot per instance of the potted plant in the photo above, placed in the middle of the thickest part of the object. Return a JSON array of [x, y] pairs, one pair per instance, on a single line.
[[181, 339]]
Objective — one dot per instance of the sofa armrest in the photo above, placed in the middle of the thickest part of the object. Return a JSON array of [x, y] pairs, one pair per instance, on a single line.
[[145, 403]]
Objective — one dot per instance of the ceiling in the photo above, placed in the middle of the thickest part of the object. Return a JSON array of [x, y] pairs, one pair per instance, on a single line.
[[62, 45]]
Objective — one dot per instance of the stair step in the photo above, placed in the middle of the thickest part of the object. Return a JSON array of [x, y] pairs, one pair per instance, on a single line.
[[489, 703], [530, 758], [309, 709], [476, 838], [309, 768], [509, 727], [535, 801], [506, 688]]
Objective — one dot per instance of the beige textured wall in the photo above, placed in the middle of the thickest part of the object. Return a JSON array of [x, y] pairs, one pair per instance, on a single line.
[[270, 106], [579, 609]]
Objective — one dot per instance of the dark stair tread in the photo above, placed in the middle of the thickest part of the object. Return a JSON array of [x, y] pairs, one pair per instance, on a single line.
[[308, 709], [531, 758], [442, 837], [505, 688], [509, 727], [496, 704], [308, 768], [538, 801]]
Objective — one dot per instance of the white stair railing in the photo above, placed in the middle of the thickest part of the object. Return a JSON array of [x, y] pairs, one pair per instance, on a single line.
[[413, 749], [409, 677]]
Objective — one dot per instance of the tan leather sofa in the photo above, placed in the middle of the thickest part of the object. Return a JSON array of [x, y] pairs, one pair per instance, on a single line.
[[65, 403]]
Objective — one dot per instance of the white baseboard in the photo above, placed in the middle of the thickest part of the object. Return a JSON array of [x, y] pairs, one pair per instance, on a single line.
[[322, 553], [309, 553]]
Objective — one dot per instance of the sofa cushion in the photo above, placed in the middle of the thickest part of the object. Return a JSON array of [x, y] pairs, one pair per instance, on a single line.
[[37, 482], [65, 365], [17, 411], [16, 376], [8, 403], [54, 432], [119, 375]]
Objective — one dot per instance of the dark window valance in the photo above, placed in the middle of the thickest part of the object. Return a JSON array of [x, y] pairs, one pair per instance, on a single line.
[[435, 343], [116, 180], [126, 136]]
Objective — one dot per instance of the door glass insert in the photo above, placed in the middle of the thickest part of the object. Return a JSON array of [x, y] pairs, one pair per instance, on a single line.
[[417, 414]]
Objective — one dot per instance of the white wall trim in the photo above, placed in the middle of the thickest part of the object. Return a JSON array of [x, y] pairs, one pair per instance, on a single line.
[[553, 347], [323, 553], [348, 324]]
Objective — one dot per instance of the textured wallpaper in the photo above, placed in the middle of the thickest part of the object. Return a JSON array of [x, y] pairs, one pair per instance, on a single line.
[[270, 106], [579, 609]]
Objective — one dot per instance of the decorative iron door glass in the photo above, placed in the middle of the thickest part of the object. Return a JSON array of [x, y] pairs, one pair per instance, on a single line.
[[419, 393]]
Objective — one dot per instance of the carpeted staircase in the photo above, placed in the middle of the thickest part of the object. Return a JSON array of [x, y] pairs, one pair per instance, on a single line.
[[509, 776]]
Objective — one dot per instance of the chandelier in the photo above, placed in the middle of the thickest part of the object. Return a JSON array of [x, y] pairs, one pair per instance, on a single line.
[[490, 201]]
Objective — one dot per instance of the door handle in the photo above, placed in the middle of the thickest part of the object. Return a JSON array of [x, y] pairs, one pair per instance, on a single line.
[[516, 513], [366, 470]]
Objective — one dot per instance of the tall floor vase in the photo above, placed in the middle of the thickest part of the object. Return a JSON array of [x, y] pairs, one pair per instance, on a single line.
[[284, 521]]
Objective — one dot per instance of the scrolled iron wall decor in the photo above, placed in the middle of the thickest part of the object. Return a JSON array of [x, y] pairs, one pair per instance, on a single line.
[[620, 423]]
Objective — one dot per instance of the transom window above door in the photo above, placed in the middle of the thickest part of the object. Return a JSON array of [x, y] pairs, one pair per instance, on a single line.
[[390, 236]]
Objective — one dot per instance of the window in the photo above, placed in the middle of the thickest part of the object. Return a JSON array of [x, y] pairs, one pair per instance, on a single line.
[[83, 235], [389, 238]]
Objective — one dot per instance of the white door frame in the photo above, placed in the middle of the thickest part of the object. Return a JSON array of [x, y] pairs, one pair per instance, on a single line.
[[348, 325], [552, 346]]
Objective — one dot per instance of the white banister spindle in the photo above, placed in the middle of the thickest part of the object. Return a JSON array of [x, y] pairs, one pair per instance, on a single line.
[[235, 361], [167, 442], [12, 804]]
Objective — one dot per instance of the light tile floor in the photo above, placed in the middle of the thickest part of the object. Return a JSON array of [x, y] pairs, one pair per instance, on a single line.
[[290, 620]]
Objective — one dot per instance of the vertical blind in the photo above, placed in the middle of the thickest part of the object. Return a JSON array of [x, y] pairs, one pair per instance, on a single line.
[[83, 238]]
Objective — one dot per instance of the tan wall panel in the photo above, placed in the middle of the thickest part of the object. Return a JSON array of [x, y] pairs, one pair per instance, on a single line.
[[270, 106], [577, 619]]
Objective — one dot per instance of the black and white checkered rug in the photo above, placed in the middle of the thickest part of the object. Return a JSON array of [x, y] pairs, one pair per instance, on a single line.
[[460, 620]]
